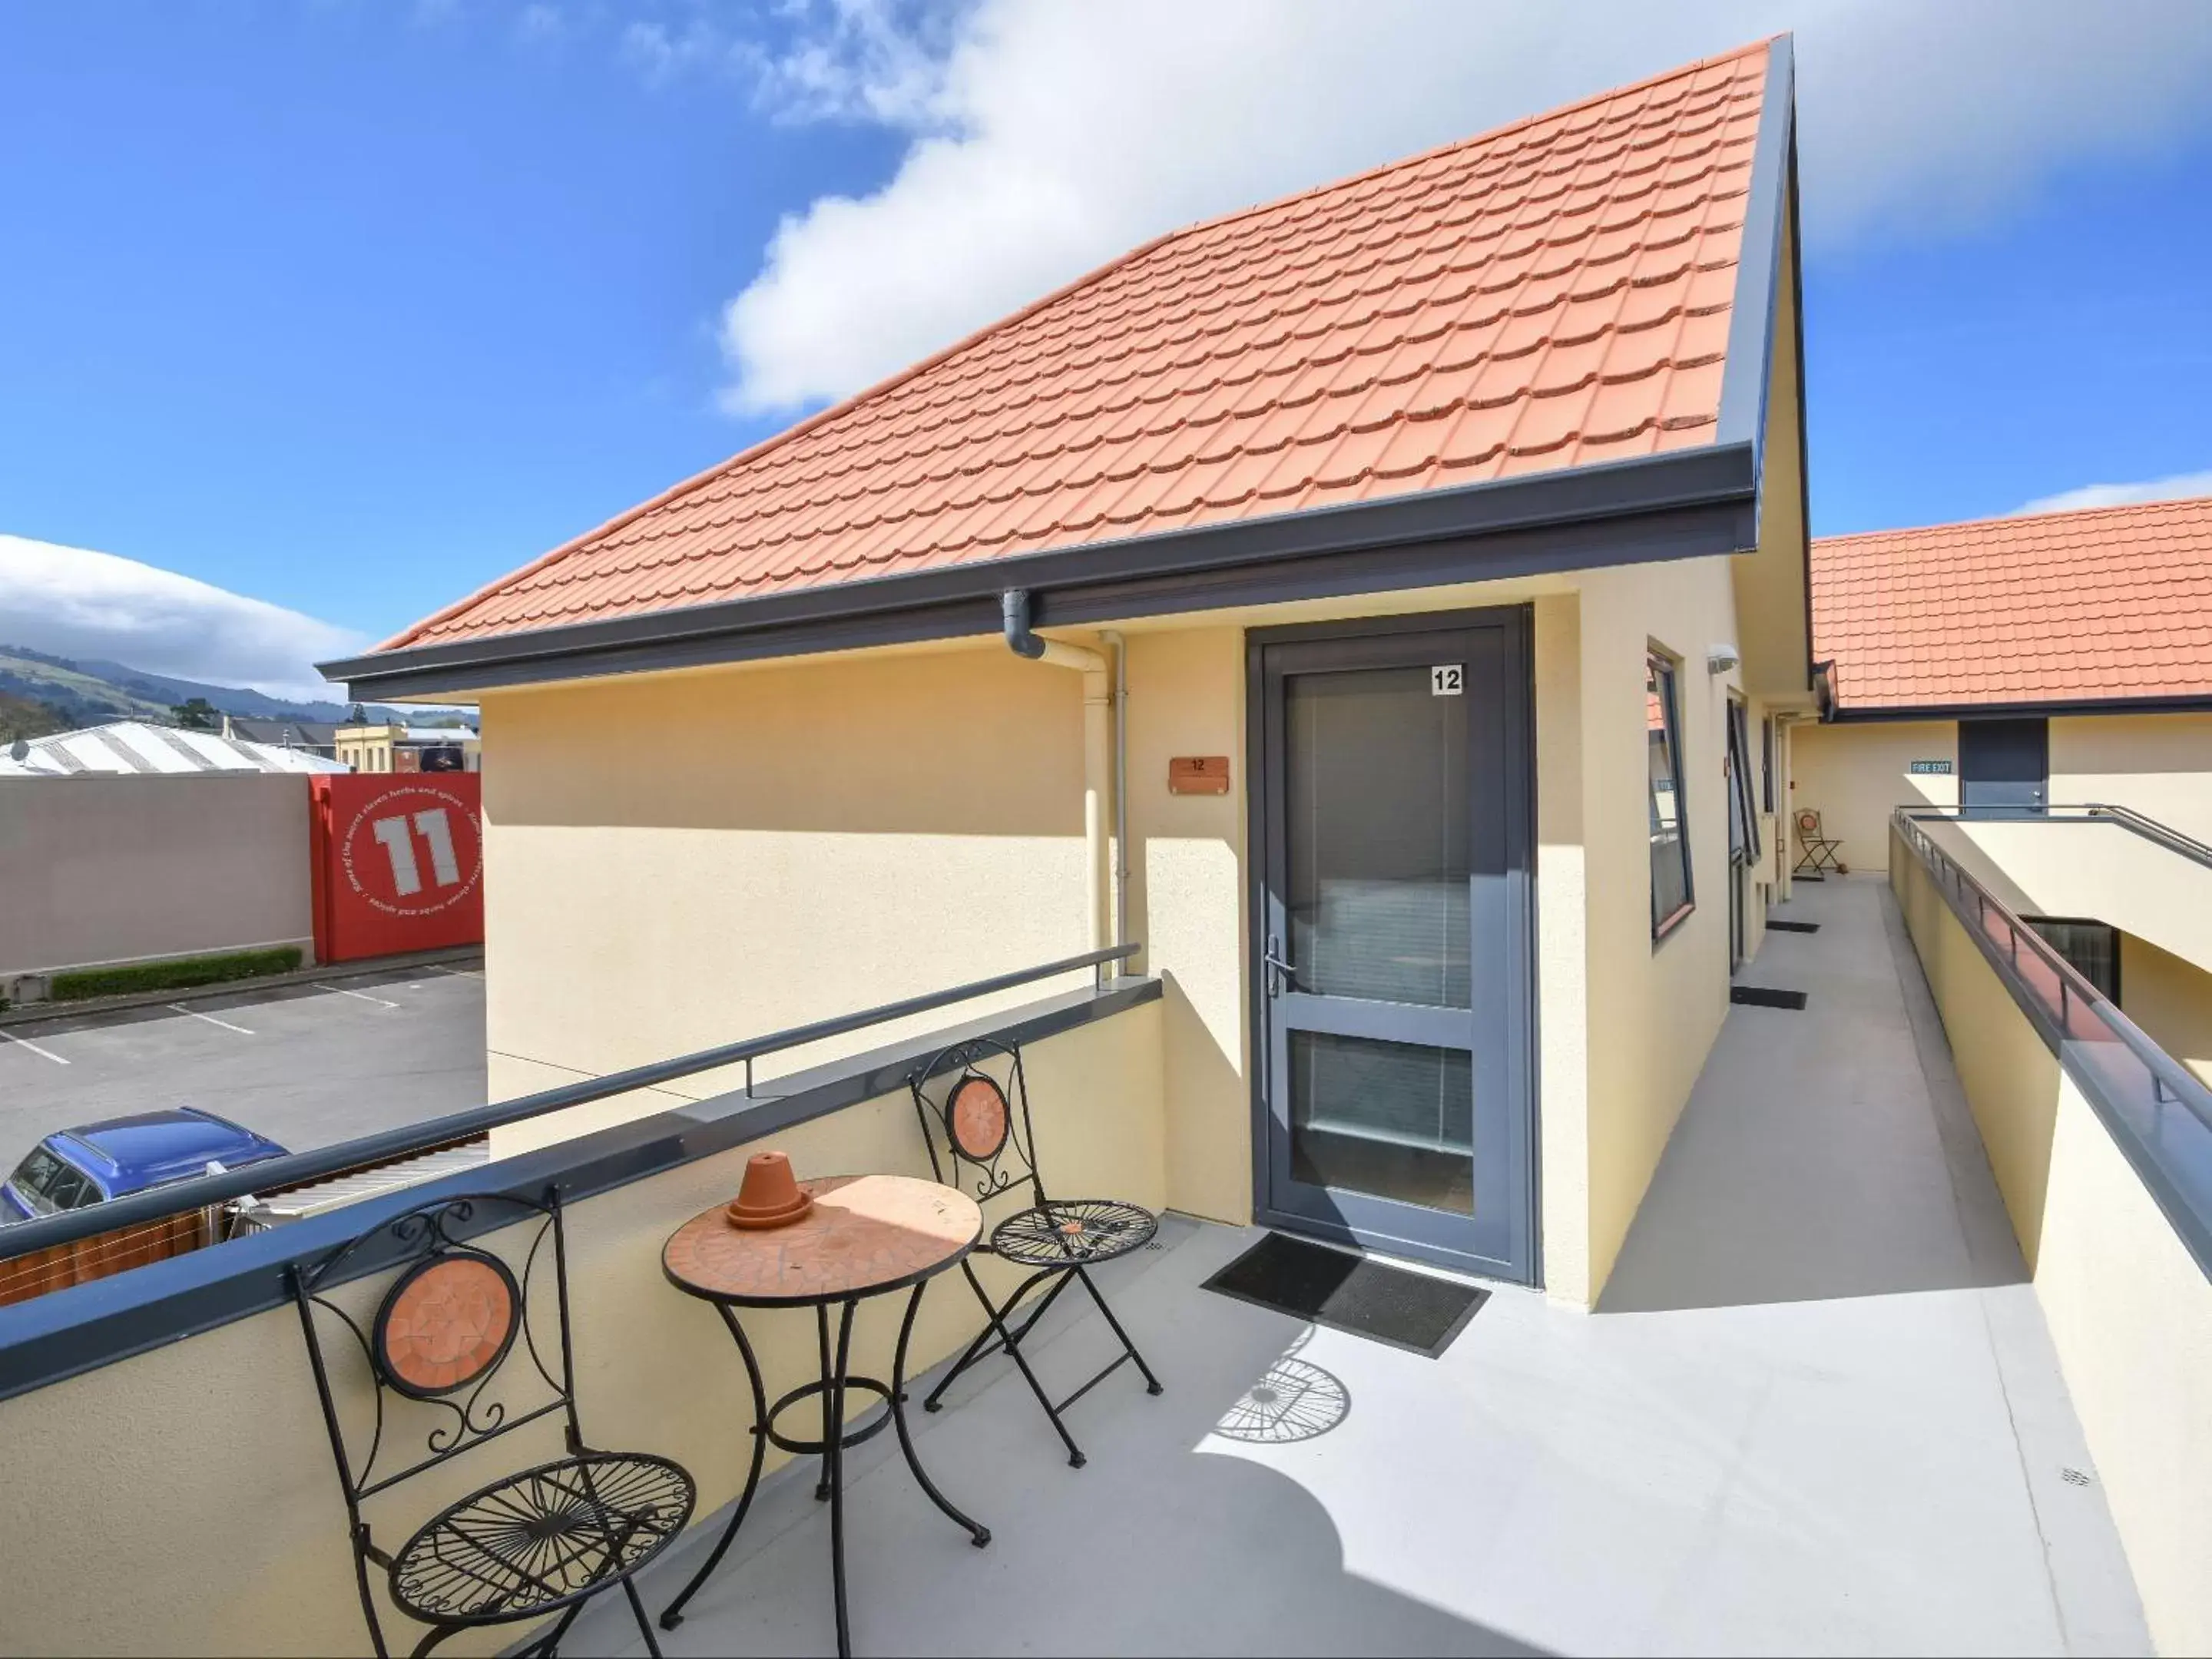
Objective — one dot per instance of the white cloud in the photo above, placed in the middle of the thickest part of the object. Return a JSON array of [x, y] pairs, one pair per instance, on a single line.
[[1045, 135], [2180, 487], [76, 602]]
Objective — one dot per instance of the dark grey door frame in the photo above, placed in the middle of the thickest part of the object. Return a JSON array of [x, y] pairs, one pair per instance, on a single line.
[[1513, 1066], [2004, 766]]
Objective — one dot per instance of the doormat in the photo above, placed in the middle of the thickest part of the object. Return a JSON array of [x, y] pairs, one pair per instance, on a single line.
[[1782, 927], [1758, 996], [1348, 1293]]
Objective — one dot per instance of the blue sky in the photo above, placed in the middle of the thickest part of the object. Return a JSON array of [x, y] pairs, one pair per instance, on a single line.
[[354, 305]]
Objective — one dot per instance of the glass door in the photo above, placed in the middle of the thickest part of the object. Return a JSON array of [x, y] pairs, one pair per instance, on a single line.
[[1393, 790]]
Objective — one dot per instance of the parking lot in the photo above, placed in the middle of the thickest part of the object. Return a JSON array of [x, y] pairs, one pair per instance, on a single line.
[[305, 1065]]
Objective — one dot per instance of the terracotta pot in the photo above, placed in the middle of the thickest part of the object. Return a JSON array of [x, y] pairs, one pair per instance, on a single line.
[[770, 1196]]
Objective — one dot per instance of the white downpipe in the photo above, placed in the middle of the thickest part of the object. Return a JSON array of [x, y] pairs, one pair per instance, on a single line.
[[1099, 744]]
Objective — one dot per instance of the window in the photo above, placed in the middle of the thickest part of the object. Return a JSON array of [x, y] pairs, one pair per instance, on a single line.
[[1670, 841], [1766, 760], [73, 1189], [34, 1175], [1743, 816], [2092, 949], [50, 1184]]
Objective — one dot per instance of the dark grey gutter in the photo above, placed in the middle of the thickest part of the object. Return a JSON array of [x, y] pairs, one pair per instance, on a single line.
[[69, 1332], [2196, 703], [1680, 505], [2157, 1112]]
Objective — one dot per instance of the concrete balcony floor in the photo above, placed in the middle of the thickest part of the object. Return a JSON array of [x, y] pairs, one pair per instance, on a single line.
[[1817, 1413]]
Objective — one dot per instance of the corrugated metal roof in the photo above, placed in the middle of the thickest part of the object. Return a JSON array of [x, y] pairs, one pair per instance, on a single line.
[[1553, 295], [134, 747], [2109, 603]]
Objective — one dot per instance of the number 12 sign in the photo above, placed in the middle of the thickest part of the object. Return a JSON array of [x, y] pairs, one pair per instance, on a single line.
[[398, 866]]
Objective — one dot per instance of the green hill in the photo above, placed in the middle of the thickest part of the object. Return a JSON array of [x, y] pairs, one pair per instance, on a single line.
[[91, 693], [83, 699], [26, 717]]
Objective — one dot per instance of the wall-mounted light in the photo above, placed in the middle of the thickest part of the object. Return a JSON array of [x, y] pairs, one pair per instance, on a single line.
[[1719, 659]]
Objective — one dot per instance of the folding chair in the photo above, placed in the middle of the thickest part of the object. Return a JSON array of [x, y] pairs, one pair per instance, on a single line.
[[963, 1098], [534, 1545], [1816, 855]]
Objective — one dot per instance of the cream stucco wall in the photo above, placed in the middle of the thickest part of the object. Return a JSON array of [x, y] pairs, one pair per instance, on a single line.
[[1856, 775], [2009, 1077], [1187, 901], [214, 1483], [2160, 765], [1652, 1010], [2129, 1310], [2171, 999], [2130, 1314], [676, 861]]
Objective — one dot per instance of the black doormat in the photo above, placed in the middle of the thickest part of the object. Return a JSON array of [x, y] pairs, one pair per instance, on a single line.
[[1348, 1293], [1782, 927], [1758, 996]]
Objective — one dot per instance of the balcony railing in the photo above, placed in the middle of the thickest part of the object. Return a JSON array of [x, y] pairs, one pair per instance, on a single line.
[[182, 1198], [2158, 1111]]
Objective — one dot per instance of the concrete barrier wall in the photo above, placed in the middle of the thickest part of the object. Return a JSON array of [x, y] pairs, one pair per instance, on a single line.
[[193, 1506], [2129, 1310], [101, 870]]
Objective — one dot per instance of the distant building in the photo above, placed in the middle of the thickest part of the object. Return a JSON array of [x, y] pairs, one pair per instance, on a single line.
[[134, 746], [310, 737], [368, 746]]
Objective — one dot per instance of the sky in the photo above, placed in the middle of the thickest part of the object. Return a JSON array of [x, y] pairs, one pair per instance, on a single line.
[[349, 307]]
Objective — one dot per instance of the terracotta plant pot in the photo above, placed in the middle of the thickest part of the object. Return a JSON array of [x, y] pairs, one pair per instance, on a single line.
[[770, 1196]]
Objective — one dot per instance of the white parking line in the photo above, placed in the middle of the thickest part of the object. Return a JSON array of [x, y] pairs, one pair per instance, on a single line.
[[458, 973], [24, 1043], [209, 1019], [363, 995]]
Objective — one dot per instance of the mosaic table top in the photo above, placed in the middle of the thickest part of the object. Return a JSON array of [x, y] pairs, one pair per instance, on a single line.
[[865, 1235]]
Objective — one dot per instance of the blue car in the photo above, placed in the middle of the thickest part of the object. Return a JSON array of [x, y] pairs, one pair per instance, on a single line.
[[120, 1156]]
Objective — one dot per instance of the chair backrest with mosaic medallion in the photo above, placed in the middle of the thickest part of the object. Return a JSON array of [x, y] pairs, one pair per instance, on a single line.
[[462, 1338], [974, 1102]]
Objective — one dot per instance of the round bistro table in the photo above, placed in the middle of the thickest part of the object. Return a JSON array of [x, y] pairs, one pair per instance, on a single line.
[[866, 1235]]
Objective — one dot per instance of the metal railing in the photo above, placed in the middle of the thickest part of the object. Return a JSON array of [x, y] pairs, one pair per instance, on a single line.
[[2160, 1111], [2151, 830], [2125, 817], [299, 1169]]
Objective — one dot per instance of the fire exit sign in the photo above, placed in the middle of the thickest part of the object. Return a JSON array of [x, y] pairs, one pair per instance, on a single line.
[[1941, 769]]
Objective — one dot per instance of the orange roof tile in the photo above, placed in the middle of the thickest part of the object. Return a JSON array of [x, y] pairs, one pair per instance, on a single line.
[[1547, 296], [2111, 603]]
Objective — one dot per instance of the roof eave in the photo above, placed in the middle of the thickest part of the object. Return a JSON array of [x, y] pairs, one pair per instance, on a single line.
[[1680, 505], [1753, 311]]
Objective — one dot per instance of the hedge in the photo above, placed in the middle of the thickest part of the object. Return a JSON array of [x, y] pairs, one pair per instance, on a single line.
[[172, 975]]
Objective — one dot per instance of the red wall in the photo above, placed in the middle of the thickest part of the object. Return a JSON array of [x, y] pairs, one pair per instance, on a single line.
[[398, 862]]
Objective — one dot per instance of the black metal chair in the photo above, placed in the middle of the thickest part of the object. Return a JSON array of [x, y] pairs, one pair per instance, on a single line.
[[541, 1542], [963, 1098]]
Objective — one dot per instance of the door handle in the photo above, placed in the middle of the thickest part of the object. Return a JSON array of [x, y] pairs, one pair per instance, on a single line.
[[1276, 966]]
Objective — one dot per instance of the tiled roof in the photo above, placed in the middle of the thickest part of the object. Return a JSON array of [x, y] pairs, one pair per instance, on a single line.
[[2060, 607], [1551, 295]]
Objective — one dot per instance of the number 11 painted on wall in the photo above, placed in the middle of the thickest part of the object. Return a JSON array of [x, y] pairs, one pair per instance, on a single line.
[[399, 847]]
